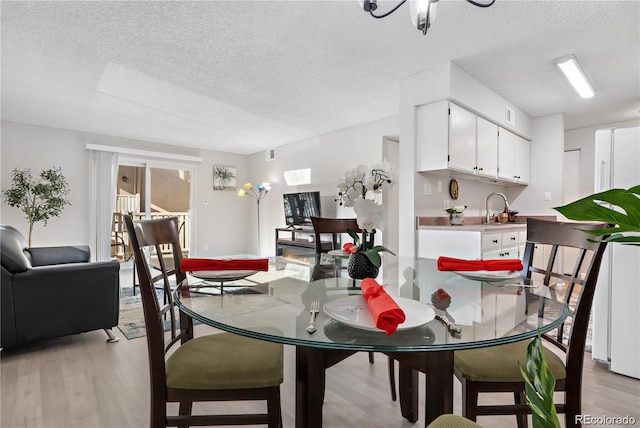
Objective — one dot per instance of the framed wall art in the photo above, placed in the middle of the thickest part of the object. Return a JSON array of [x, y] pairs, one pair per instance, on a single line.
[[224, 177]]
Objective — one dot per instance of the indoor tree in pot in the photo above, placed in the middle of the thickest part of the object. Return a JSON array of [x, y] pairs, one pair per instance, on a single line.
[[39, 199], [358, 189]]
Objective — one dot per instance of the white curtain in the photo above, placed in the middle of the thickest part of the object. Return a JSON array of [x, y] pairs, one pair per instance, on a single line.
[[103, 171]]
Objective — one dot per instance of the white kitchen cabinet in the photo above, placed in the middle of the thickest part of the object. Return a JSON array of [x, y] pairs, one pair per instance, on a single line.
[[486, 148], [446, 137], [522, 159], [479, 242], [451, 139], [513, 157], [462, 139], [501, 245]]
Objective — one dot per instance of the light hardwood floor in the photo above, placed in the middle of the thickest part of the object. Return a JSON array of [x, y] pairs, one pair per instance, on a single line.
[[82, 381]]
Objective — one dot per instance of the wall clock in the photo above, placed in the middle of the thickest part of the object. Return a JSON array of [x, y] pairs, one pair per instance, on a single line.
[[453, 189]]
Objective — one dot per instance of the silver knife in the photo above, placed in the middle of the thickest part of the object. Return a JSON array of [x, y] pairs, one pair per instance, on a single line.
[[444, 317]]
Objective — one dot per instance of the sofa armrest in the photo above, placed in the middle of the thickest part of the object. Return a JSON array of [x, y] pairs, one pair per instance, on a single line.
[[45, 256], [58, 300]]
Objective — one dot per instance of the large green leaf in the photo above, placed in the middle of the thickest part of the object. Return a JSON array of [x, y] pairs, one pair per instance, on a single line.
[[619, 208], [539, 387]]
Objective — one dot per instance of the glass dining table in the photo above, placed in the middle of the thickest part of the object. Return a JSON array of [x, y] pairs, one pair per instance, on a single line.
[[445, 312]]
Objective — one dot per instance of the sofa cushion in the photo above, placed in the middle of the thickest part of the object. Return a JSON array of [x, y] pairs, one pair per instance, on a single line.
[[46, 256], [13, 246]]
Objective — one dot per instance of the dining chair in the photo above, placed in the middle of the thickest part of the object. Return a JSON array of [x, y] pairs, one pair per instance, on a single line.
[[331, 228], [215, 367], [497, 368], [452, 421]]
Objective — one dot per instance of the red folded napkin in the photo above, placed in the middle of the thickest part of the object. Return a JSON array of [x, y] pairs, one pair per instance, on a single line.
[[384, 310], [195, 264], [450, 263]]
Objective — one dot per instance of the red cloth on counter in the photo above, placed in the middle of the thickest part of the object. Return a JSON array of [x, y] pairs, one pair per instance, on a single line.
[[450, 263], [385, 312], [195, 264]]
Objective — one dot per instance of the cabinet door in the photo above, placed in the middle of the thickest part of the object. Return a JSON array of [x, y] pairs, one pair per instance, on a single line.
[[522, 160], [506, 155], [486, 148], [432, 135], [462, 139]]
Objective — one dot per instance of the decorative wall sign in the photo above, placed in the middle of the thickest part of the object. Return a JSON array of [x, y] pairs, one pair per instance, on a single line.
[[453, 189], [224, 177]]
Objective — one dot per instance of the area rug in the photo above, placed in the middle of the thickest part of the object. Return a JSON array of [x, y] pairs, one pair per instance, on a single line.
[[131, 322]]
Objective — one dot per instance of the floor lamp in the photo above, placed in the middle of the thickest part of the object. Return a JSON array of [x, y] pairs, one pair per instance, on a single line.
[[257, 193]]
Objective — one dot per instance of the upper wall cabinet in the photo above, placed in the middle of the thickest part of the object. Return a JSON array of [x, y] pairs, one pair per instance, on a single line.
[[451, 139], [513, 157]]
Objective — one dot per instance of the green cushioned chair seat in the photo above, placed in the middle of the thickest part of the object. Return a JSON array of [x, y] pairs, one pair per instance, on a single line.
[[452, 421], [500, 363], [225, 361]]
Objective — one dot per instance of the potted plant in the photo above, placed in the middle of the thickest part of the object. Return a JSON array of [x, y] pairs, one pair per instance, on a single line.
[[353, 190], [456, 214], [39, 199], [512, 216]]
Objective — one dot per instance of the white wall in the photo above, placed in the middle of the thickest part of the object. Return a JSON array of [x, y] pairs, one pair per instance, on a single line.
[[221, 224], [328, 156], [584, 139], [546, 160]]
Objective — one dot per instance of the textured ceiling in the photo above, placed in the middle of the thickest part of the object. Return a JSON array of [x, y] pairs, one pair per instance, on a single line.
[[241, 76]]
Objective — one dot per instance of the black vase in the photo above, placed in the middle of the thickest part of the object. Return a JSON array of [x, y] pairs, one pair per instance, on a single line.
[[360, 267]]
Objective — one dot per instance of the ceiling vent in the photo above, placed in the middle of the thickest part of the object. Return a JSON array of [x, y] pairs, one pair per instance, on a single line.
[[509, 116], [271, 154]]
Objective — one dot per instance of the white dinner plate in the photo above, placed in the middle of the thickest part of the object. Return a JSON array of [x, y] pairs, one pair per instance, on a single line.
[[222, 275], [353, 311], [489, 275]]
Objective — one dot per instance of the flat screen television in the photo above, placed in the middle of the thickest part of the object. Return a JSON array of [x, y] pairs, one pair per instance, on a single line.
[[300, 207]]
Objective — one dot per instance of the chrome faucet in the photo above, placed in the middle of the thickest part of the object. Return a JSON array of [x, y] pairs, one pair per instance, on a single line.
[[506, 204]]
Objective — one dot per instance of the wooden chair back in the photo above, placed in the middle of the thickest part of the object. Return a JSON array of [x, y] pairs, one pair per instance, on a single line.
[[148, 237], [333, 227], [579, 283]]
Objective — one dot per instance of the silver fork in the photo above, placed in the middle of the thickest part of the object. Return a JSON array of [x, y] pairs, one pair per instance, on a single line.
[[314, 309]]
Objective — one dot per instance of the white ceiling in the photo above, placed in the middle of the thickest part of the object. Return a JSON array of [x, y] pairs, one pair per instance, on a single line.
[[241, 76]]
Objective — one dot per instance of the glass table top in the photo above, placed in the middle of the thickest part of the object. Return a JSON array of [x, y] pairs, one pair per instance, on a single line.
[[485, 313]]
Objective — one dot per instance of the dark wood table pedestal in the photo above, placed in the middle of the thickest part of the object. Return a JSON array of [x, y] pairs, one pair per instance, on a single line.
[[438, 368], [312, 363]]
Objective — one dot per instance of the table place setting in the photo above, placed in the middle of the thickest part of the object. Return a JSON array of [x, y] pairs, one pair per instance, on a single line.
[[482, 270], [376, 310]]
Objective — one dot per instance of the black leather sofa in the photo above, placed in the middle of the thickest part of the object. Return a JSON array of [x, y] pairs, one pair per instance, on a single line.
[[50, 292]]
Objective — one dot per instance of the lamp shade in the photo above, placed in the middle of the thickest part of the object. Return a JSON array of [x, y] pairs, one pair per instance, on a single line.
[[423, 13]]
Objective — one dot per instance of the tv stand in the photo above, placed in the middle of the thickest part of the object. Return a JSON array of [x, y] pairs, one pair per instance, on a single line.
[[300, 240]]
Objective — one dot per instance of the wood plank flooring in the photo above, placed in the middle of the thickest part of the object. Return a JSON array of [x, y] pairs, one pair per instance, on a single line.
[[82, 381]]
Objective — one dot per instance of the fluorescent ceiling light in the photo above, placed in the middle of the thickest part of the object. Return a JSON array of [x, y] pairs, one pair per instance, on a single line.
[[576, 77]]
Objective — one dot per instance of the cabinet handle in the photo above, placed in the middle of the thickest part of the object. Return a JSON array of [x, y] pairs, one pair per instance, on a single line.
[[480, 169], [475, 167], [495, 241], [506, 253], [513, 238]]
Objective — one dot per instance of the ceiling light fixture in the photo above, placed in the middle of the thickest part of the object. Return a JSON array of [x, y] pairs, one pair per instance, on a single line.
[[423, 12], [576, 77]]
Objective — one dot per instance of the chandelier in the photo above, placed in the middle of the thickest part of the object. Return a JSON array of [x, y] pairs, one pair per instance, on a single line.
[[423, 12]]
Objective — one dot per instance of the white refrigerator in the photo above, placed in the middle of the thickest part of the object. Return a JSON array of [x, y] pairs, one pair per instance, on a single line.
[[616, 306]]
